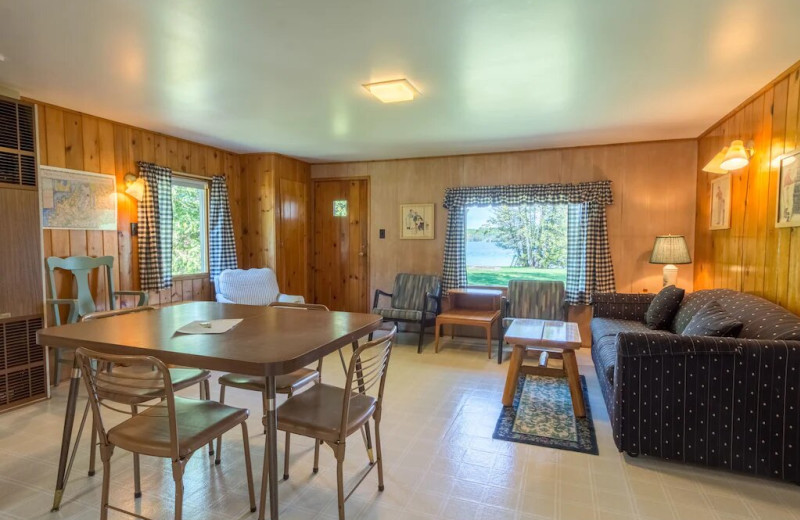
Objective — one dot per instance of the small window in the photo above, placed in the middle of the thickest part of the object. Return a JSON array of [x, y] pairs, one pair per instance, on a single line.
[[189, 226], [340, 208], [516, 242]]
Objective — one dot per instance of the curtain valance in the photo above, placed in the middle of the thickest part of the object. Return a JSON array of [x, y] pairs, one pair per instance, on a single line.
[[517, 194]]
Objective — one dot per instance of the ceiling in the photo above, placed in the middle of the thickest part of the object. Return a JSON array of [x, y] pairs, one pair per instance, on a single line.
[[285, 76]]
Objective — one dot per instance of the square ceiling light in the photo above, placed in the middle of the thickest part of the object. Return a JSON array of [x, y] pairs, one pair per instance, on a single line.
[[392, 91]]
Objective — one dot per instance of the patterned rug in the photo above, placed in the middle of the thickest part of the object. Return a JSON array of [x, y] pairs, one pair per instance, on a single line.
[[542, 415]]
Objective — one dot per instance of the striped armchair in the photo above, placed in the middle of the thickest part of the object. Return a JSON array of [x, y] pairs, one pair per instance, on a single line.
[[251, 287], [415, 298], [532, 299]]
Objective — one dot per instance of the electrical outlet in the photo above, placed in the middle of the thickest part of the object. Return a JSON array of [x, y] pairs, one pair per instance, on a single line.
[[134, 229], [382, 233]]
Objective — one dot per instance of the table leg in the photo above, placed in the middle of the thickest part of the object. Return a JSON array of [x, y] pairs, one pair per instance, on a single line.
[[66, 435], [436, 340], [489, 341], [367, 435], [517, 355], [574, 380], [270, 473], [499, 341]]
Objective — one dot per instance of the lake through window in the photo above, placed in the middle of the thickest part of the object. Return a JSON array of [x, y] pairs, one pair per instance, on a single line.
[[189, 227], [516, 242]]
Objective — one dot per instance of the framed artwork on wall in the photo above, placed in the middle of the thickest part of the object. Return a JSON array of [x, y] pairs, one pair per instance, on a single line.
[[416, 221], [721, 203], [73, 199], [788, 206]]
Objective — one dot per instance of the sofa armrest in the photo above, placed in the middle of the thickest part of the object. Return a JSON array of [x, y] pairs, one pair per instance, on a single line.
[[378, 294], [144, 298], [222, 299], [696, 399], [621, 306]]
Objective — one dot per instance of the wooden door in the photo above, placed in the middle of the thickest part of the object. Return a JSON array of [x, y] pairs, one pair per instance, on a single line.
[[340, 276], [292, 261]]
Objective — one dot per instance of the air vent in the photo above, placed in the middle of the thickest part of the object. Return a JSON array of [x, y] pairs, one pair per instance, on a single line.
[[22, 369], [17, 143]]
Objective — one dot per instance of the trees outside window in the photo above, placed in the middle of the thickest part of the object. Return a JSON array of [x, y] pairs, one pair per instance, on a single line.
[[189, 227]]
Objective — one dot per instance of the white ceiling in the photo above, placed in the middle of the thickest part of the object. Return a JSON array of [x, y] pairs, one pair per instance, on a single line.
[[285, 76]]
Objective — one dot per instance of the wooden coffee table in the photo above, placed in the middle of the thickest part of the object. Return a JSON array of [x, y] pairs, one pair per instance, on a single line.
[[557, 337], [472, 317]]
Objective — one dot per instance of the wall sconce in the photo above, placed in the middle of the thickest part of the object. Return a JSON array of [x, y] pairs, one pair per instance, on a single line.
[[134, 186], [733, 157]]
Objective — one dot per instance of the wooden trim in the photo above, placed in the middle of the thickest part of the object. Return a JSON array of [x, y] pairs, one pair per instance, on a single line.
[[783, 75], [4, 186], [193, 276]]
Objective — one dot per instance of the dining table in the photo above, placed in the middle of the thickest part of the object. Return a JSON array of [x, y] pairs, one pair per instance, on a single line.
[[268, 342]]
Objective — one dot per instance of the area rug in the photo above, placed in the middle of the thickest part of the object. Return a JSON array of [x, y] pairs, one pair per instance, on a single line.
[[542, 415]]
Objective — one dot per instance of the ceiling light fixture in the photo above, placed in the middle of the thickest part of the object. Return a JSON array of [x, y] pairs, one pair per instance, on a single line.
[[392, 91]]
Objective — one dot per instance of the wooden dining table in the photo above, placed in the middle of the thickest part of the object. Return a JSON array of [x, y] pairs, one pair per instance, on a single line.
[[269, 341]]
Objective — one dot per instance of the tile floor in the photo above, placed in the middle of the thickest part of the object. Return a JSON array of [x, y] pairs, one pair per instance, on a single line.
[[440, 460]]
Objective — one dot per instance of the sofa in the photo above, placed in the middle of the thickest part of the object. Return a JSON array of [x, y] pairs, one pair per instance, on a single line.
[[731, 402], [251, 287]]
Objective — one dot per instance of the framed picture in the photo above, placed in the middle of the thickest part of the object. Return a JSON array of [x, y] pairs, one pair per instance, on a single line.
[[74, 199], [721, 203], [416, 221], [788, 206]]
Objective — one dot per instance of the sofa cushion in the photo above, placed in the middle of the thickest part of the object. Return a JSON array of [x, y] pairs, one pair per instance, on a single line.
[[409, 290], [604, 340], [762, 319], [663, 308], [713, 320]]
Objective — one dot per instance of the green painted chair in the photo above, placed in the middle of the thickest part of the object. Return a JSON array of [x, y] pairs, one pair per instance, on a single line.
[[532, 299], [81, 267]]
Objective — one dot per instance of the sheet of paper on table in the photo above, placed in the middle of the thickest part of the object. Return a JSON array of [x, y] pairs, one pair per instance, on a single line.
[[209, 327]]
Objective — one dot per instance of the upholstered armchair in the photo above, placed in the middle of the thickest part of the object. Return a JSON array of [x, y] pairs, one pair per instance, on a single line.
[[251, 287], [532, 299], [415, 298]]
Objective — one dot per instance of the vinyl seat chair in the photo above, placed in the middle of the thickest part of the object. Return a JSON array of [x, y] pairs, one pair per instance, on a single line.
[[331, 414], [415, 298], [167, 426]]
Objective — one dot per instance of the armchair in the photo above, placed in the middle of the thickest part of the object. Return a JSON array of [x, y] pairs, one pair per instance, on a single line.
[[415, 298], [251, 287], [80, 267], [532, 299]]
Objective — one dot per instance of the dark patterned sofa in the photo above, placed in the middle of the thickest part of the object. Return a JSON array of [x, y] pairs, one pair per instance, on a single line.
[[728, 402]]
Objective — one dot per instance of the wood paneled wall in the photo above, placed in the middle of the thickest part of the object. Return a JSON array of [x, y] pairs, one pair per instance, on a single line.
[[275, 230], [753, 255], [70, 139], [653, 185]]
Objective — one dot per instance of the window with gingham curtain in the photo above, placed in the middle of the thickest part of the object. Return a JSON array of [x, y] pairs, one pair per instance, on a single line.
[[589, 267], [222, 246], [155, 228]]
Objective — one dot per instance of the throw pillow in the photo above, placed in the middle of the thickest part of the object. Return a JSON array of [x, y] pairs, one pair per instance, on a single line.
[[713, 320], [664, 307]]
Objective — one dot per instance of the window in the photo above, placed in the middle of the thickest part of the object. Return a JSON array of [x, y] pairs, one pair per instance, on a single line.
[[189, 226], [516, 242]]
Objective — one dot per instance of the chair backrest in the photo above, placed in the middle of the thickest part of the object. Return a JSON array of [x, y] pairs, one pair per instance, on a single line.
[[367, 368], [248, 286], [536, 299], [81, 267], [117, 312], [146, 383], [409, 290]]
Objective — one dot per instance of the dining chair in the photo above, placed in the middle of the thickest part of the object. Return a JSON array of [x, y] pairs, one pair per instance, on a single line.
[[285, 384], [81, 269], [330, 414], [181, 378], [160, 424]]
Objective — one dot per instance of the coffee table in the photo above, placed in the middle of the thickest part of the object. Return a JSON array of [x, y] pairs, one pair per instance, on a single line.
[[547, 337], [472, 317]]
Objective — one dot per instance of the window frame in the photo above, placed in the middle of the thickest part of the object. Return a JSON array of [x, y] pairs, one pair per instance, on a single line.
[[196, 182], [467, 208]]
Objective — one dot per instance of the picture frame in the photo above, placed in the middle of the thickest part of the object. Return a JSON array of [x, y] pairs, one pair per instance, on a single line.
[[417, 221], [787, 207], [73, 199], [720, 203]]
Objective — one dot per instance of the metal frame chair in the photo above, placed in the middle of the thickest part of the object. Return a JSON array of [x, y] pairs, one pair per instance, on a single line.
[[330, 414], [398, 314], [158, 429]]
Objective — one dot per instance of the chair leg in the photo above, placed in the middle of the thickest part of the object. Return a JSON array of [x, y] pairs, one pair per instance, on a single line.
[[218, 459], [105, 456], [489, 341], [57, 365], [421, 336], [369, 336], [317, 444], [286, 452], [380, 454], [137, 475], [248, 466], [340, 479], [177, 476], [92, 449], [205, 393]]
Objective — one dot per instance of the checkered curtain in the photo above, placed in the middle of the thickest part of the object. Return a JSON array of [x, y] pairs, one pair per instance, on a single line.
[[155, 228], [222, 247], [589, 267]]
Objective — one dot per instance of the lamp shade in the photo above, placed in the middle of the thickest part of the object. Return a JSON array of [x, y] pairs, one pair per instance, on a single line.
[[736, 157], [670, 249], [136, 189]]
